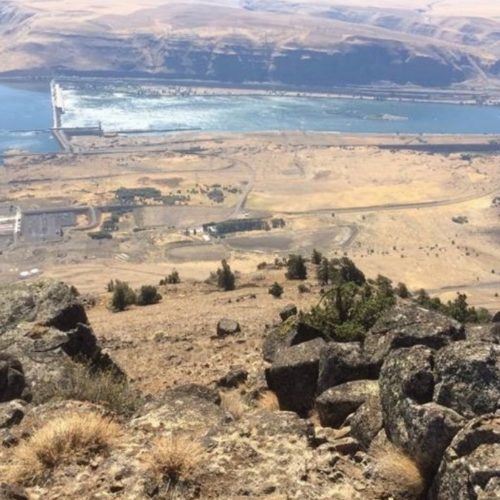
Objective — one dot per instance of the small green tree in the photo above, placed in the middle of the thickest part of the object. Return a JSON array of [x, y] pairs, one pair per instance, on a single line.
[[148, 295], [323, 272], [296, 268], [225, 277], [316, 257], [123, 296], [173, 278], [110, 286], [276, 290]]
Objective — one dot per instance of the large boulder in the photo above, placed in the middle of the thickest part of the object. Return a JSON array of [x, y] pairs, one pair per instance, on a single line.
[[337, 403], [406, 325], [412, 421], [294, 376], [468, 378], [45, 302], [342, 362], [470, 468], [291, 332], [46, 327], [288, 311], [12, 380], [367, 421]]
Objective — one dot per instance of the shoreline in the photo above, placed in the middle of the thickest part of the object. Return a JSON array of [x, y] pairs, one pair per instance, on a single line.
[[220, 89]]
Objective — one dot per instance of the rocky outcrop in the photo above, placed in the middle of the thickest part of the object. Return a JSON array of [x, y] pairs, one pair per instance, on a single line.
[[470, 468], [412, 421], [468, 378], [288, 311], [406, 325], [12, 380], [294, 376], [367, 421], [44, 325], [343, 362], [337, 403], [291, 332]]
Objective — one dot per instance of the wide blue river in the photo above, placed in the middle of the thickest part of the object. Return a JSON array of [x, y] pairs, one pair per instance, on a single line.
[[25, 110]]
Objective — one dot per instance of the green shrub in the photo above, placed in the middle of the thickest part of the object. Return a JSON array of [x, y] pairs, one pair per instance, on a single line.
[[148, 295], [276, 290], [296, 268], [226, 279], [316, 257], [123, 296]]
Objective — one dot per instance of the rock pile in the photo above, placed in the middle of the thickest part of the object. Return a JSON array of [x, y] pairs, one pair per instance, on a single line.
[[418, 380]]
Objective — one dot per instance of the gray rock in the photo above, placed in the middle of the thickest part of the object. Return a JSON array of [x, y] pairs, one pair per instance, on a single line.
[[288, 311], [483, 333], [226, 327], [12, 380], [291, 332], [335, 404], [406, 325], [11, 413], [468, 378], [470, 468], [46, 327], [412, 421], [366, 422], [46, 302], [12, 492], [342, 362], [496, 317], [294, 376]]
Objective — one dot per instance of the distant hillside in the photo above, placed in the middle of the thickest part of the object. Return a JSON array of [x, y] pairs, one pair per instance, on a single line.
[[313, 44]]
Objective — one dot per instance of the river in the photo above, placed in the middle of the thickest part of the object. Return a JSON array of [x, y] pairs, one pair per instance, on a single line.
[[27, 108]]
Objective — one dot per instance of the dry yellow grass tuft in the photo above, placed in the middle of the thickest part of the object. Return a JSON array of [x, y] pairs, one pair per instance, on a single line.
[[105, 388], [175, 458], [394, 465], [60, 440], [232, 403], [268, 401]]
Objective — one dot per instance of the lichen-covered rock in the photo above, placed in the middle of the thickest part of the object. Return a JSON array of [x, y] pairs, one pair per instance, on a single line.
[[468, 378], [342, 362], [291, 332], [12, 379], [288, 311], [46, 302], [190, 408], [483, 333], [43, 325], [406, 325], [470, 468], [226, 327], [11, 413], [335, 404], [412, 421], [293, 376], [366, 422], [260, 454]]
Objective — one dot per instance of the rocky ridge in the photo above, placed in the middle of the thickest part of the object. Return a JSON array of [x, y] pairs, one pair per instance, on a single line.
[[412, 410]]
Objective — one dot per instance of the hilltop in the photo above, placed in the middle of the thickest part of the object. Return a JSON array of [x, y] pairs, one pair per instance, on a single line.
[[313, 44]]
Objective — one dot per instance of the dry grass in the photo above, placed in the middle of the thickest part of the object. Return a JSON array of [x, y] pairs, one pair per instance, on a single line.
[[175, 458], [63, 439], [233, 404], [105, 388], [268, 401], [394, 465]]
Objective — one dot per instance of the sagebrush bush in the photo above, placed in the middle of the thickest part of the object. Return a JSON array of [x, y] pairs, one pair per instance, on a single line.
[[61, 440]]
